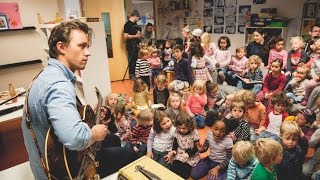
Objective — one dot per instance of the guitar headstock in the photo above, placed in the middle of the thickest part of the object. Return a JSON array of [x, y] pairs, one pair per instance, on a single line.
[[99, 104]]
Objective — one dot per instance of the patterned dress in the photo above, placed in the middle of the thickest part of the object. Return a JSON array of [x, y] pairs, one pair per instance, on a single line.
[[201, 71], [187, 142]]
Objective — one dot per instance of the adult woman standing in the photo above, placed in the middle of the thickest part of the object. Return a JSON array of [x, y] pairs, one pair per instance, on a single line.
[[259, 46]]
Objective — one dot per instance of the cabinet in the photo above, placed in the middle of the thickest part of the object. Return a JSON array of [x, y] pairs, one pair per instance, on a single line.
[[270, 33]]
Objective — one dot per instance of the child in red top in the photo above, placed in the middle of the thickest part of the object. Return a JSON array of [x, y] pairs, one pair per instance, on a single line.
[[274, 82], [275, 117], [196, 102]]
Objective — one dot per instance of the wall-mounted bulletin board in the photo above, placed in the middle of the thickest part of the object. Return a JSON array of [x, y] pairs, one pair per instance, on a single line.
[[310, 16]]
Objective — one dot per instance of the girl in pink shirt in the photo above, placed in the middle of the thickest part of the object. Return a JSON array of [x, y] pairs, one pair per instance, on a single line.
[[237, 66], [277, 52], [196, 102], [155, 63], [222, 57]]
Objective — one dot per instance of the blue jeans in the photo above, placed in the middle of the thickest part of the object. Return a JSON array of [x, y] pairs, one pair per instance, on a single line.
[[202, 168], [200, 120], [296, 99], [265, 134], [232, 79], [154, 73]]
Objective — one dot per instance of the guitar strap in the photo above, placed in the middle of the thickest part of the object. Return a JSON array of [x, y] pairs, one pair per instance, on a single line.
[[26, 109]]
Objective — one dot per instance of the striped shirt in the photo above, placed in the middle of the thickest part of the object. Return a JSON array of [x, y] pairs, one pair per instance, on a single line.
[[220, 150], [142, 68], [236, 171], [162, 142], [242, 132], [139, 134]]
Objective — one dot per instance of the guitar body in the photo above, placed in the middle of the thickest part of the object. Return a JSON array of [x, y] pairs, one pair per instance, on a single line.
[[63, 163]]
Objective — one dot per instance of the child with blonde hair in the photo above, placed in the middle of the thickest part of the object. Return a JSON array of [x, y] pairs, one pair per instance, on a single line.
[[111, 101], [295, 88], [296, 55], [196, 102], [252, 73], [269, 153], [142, 69], [225, 108], [292, 157], [243, 161], [140, 96], [155, 63], [237, 66], [208, 46], [161, 92], [174, 106], [167, 53]]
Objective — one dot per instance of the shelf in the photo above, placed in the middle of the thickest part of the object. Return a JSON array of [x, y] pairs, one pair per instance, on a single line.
[[23, 29], [20, 64]]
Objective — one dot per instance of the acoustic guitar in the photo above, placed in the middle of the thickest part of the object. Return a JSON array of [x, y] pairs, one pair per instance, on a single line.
[[63, 163]]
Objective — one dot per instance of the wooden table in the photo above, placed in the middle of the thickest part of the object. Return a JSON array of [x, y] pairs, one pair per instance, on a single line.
[[12, 148]]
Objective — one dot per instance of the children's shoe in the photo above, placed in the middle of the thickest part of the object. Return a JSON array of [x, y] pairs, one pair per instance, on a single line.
[[224, 83], [304, 102]]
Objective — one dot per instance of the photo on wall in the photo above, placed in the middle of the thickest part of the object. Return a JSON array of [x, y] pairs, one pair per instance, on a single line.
[[3, 22], [309, 10], [218, 29], [230, 29], [241, 29], [207, 29]]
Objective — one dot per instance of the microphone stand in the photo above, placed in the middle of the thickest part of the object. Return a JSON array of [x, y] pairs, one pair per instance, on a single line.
[[20, 94]]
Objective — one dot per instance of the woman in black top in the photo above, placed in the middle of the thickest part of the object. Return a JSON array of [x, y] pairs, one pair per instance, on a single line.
[[259, 46]]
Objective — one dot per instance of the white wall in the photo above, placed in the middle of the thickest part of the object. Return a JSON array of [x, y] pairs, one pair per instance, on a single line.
[[285, 8], [17, 46]]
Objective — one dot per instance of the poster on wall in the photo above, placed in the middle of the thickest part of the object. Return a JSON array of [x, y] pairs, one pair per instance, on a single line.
[[218, 29], [230, 29], [309, 10], [306, 26], [259, 1], [11, 10], [244, 17], [207, 29]]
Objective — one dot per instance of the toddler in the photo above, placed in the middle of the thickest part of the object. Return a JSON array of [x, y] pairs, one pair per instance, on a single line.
[[122, 124], [140, 96], [167, 53], [222, 57], [305, 119], [111, 101], [140, 133], [155, 63], [292, 157], [142, 69], [215, 96], [182, 72], [243, 161], [275, 117], [242, 131], [199, 62], [185, 146], [277, 52], [161, 92], [256, 111], [253, 73], [312, 54], [174, 106], [225, 108], [196, 102], [237, 66], [273, 82], [208, 46], [269, 153], [296, 55], [161, 138], [220, 152], [315, 74], [295, 88]]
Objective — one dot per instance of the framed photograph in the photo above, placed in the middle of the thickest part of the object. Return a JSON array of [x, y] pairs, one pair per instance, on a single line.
[[3, 22], [309, 10]]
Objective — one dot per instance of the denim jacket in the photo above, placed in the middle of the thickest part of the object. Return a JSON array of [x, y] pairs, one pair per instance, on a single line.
[[52, 101]]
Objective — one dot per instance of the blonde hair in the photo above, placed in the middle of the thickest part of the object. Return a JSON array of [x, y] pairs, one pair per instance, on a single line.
[[174, 95], [267, 150], [243, 151], [206, 39], [238, 104], [200, 84], [110, 96], [255, 59], [186, 29], [304, 67], [297, 38], [240, 49], [145, 116], [143, 52], [290, 128], [245, 96], [161, 79]]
